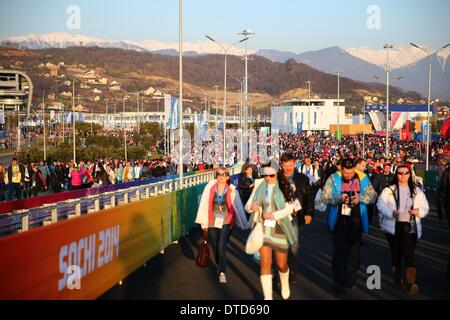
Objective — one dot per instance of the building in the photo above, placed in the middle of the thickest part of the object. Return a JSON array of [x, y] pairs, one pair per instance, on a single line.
[[114, 88], [53, 71], [16, 87], [303, 114]]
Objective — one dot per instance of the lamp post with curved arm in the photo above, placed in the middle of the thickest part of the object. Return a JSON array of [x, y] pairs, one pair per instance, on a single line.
[[429, 54], [225, 50]]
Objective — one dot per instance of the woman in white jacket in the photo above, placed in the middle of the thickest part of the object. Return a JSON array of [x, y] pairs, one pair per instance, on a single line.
[[219, 211], [402, 205]]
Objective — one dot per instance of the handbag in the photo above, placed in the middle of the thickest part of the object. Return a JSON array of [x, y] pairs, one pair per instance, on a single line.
[[255, 240], [202, 259]]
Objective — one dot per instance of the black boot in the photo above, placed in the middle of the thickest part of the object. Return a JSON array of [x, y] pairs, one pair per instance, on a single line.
[[398, 278]]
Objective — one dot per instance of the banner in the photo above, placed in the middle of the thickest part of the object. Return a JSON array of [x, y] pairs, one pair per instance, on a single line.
[[81, 258], [167, 109]]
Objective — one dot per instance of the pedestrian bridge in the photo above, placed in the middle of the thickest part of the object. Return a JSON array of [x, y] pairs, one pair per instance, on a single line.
[[144, 238]]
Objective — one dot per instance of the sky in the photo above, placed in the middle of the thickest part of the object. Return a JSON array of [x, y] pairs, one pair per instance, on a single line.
[[288, 25]]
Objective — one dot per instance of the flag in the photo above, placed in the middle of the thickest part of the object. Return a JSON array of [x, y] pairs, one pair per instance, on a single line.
[[167, 109]]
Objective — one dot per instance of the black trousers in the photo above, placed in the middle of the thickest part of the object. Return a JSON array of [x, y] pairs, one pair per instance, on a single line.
[[293, 249], [346, 255], [448, 263], [219, 239], [403, 245]]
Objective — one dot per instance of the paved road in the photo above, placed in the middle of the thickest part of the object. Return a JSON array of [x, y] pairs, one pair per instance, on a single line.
[[174, 275]]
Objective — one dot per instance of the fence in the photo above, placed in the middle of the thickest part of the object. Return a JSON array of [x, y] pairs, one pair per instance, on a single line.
[[84, 256]]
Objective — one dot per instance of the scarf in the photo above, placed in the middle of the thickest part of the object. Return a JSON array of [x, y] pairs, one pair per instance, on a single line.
[[212, 194], [280, 203]]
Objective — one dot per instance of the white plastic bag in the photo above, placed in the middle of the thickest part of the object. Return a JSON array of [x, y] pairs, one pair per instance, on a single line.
[[319, 206]]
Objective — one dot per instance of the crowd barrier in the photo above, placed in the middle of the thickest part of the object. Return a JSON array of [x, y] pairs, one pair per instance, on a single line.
[[82, 258], [23, 204]]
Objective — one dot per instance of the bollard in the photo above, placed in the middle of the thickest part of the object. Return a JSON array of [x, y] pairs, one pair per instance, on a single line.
[[97, 205], [125, 197], [147, 192], [78, 209], [138, 194], [54, 215], [25, 223], [113, 201], [170, 187]]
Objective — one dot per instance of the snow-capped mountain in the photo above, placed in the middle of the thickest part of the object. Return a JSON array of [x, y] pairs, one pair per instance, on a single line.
[[65, 40], [415, 76], [399, 56]]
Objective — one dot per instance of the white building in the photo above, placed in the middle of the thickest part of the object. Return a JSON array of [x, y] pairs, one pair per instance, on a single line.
[[302, 114]]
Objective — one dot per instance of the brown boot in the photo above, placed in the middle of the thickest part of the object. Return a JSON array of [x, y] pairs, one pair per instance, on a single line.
[[413, 288], [398, 279]]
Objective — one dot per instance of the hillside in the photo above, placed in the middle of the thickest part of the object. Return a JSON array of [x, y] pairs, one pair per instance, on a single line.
[[269, 82]]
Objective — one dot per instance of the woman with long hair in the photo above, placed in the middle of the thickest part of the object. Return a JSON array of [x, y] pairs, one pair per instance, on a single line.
[[402, 205], [246, 182], [219, 211], [271, 204]]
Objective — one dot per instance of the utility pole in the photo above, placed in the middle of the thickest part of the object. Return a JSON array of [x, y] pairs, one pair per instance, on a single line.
[[43, 121], [246, 33], [388, 70]]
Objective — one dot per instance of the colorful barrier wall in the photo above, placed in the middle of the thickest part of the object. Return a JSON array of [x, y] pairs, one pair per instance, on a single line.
[[105, 247], [9, 206]]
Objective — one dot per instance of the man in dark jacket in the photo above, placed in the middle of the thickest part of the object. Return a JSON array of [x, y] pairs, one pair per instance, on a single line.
[[303, 204], [383, 179], [443, 207]]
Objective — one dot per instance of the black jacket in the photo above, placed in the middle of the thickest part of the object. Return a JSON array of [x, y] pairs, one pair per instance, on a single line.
[[443, 196], [381, 181], [244, 188], [305, 193]]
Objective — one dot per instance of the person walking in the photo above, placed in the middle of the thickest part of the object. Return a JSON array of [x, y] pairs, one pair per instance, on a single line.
[[402, 206], [271, 204], [303, 205], [347, 193], [219, 212]]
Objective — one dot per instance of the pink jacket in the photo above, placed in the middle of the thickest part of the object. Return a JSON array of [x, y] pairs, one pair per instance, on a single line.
[[77, 177]]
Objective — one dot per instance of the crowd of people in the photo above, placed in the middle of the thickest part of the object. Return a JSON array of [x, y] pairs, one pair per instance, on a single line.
[[320, 174], [26, 179]]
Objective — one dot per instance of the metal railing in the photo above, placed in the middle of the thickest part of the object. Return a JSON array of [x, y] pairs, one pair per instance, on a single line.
[[47, 214]]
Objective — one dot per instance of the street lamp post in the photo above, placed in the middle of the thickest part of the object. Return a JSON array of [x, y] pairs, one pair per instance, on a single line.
[[217, 109], [309, 104], [246, 33], [338, 132], [388, 70], [429, 98], [124, 131], [225, 90], [43, 121], [73, 121], [241, 103], [180, 164]]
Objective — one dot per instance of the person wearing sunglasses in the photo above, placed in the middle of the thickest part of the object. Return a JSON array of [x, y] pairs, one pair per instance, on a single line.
[[402, 205], [347, 194], [271, 204], [220, 210]]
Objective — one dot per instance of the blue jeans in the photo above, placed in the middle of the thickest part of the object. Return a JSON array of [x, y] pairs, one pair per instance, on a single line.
[[219, 239]]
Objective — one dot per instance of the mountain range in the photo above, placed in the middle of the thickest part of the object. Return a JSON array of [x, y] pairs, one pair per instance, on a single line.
[[362, 64]]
